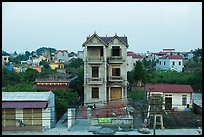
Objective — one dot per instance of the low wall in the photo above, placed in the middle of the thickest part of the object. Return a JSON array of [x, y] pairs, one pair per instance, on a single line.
[[113, 121]]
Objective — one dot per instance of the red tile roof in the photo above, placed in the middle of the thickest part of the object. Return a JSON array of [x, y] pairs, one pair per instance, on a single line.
[[24, 104], [168, 88], [60, 51], [130, 53], [172, 57], [135, 56]]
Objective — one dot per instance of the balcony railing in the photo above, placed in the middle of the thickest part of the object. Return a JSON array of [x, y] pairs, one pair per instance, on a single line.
[[115, 78], [94, 80], [115, 59], [97, 60]]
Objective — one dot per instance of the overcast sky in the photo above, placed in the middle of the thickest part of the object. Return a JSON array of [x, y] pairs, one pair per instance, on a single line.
[[65, 25]]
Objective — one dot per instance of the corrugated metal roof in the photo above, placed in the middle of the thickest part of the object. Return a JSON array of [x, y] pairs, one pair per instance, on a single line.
[[24, 104], [25, 96]]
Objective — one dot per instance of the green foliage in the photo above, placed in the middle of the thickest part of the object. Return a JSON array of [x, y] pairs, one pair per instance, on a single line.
[[63, 99], [135, 95], [20, 88], [45, 64], [4, 53], [75, 63], [172, 77], [30, 75], [42, 50], [10, 77], [18, 59]]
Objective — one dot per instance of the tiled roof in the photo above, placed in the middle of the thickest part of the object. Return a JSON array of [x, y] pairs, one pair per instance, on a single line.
[[172, 57], [107, 39], [130, 53], [57, 51], [168, 88], [135, 56]]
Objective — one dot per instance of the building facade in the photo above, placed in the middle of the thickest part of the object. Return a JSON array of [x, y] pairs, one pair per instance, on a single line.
[[31, 108], [105, 69], [170, 62], [61, 56], [175, 96]]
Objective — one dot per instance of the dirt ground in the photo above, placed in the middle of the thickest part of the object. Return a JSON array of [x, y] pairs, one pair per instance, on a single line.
[[178, 119]]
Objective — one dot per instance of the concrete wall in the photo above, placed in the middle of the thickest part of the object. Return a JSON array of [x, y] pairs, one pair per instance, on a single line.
[[102, 68], [169, 64], [51, 107], [176, 99], [70, 117]]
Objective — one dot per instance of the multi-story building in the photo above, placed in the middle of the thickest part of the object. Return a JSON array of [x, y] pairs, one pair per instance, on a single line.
[[105, 69], [170, 62]]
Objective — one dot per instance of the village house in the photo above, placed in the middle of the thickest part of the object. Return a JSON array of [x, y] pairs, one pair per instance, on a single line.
[[61, 56], [55, 81], [175, 96], [132, 58], [170, 62], [28, 109], [105, 69]]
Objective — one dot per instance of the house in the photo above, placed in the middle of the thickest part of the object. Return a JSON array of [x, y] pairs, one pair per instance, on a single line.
[[56, 81], [72, 55], [5, 59], [55, 65], [80, 54], [175, 96], [105, 69], [132, 58], [170, 62], [30, 108], [61, 56]]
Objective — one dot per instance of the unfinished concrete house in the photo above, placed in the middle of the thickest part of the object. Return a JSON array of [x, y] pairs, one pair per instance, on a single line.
[[105, 74]]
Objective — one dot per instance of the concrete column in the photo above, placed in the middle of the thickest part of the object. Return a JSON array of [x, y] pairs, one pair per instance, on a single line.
[[70, 117], [19, 115], [109, 92], [89, 115], [123, 93], [46, 118]]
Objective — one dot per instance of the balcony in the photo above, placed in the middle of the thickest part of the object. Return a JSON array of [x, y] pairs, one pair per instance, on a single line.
[[115, 78], [115, 59], [94, 80], [96, 60]]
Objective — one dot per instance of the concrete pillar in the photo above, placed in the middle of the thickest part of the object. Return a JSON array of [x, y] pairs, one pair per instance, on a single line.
[[70, 117], [19, 115], [109, 90], [89, 115]]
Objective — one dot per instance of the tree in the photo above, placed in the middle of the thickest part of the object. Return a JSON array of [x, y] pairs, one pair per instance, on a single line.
[[27, 54], [139, 72], [30, 75], [75, 63], [45, 64], [131, 79]]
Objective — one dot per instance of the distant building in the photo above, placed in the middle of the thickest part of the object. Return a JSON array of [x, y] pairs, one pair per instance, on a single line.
[[56, 81], [175, 96], [80, 54], [170, 62], [57, 65], [5, 59], [61, 56], [31, 108], [72, 55], [132, 58]]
